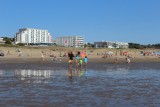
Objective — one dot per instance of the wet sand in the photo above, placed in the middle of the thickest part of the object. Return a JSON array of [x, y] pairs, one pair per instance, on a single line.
[[94, 63]]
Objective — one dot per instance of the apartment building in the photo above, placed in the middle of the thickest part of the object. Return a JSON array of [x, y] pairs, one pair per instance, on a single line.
[[70, 41], [33, 36], [109, 44]]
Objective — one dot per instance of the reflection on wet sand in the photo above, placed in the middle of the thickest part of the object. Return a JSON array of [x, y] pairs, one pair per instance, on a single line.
[[77, 72], [112, 87], [34, 76]]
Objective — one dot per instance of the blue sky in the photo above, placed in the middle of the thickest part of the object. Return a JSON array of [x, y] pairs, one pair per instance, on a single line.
[[135, 21]]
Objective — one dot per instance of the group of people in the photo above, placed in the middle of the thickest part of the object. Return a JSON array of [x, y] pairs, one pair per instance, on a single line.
[[79, 60]]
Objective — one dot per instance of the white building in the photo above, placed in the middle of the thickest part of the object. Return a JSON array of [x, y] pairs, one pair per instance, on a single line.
[[109, 44], [70, 41], [33, 36], [121, 45]]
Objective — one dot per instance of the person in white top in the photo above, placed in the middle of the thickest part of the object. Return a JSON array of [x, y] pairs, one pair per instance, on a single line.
[[128, 60]]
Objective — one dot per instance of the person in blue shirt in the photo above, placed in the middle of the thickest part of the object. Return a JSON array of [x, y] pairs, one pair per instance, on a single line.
[[77, 59], [85, 60]]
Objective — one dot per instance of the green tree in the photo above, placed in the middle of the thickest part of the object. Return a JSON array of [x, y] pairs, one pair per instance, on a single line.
[[135, 45], [8, 40], [21, 44]]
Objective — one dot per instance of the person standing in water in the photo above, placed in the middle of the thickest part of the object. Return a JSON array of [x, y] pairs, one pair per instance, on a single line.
[[85, 61], [77, 58], [80, 62], [70, 56]]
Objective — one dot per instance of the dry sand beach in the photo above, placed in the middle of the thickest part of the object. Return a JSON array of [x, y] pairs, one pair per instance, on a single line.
[[20, 54]]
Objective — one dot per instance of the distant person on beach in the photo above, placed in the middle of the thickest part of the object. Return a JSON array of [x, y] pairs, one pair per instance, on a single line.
[[8, 53], [60, 54], [128, 60], [42, 56], [116, 53], [20, 53], [116, 60], [105, 54], [51, 54]]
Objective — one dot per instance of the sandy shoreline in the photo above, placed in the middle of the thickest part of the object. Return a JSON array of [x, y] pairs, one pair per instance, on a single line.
[[28, 57], [95, 64], [65, 60]]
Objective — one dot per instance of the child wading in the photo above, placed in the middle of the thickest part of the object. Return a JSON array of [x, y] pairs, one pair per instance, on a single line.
[[85, 60], [77, 60]]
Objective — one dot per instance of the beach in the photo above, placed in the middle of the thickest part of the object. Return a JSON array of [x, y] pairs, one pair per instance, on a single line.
[[33, 54], [28, 57]]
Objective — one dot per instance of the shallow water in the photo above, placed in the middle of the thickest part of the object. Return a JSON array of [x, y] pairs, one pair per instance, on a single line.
[[120, 87]]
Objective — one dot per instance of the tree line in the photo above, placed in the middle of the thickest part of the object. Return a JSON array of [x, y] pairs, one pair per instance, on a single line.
[[10, 41], [139, 46]]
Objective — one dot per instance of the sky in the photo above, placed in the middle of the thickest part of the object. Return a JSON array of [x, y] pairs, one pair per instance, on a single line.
[[136, 21]]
